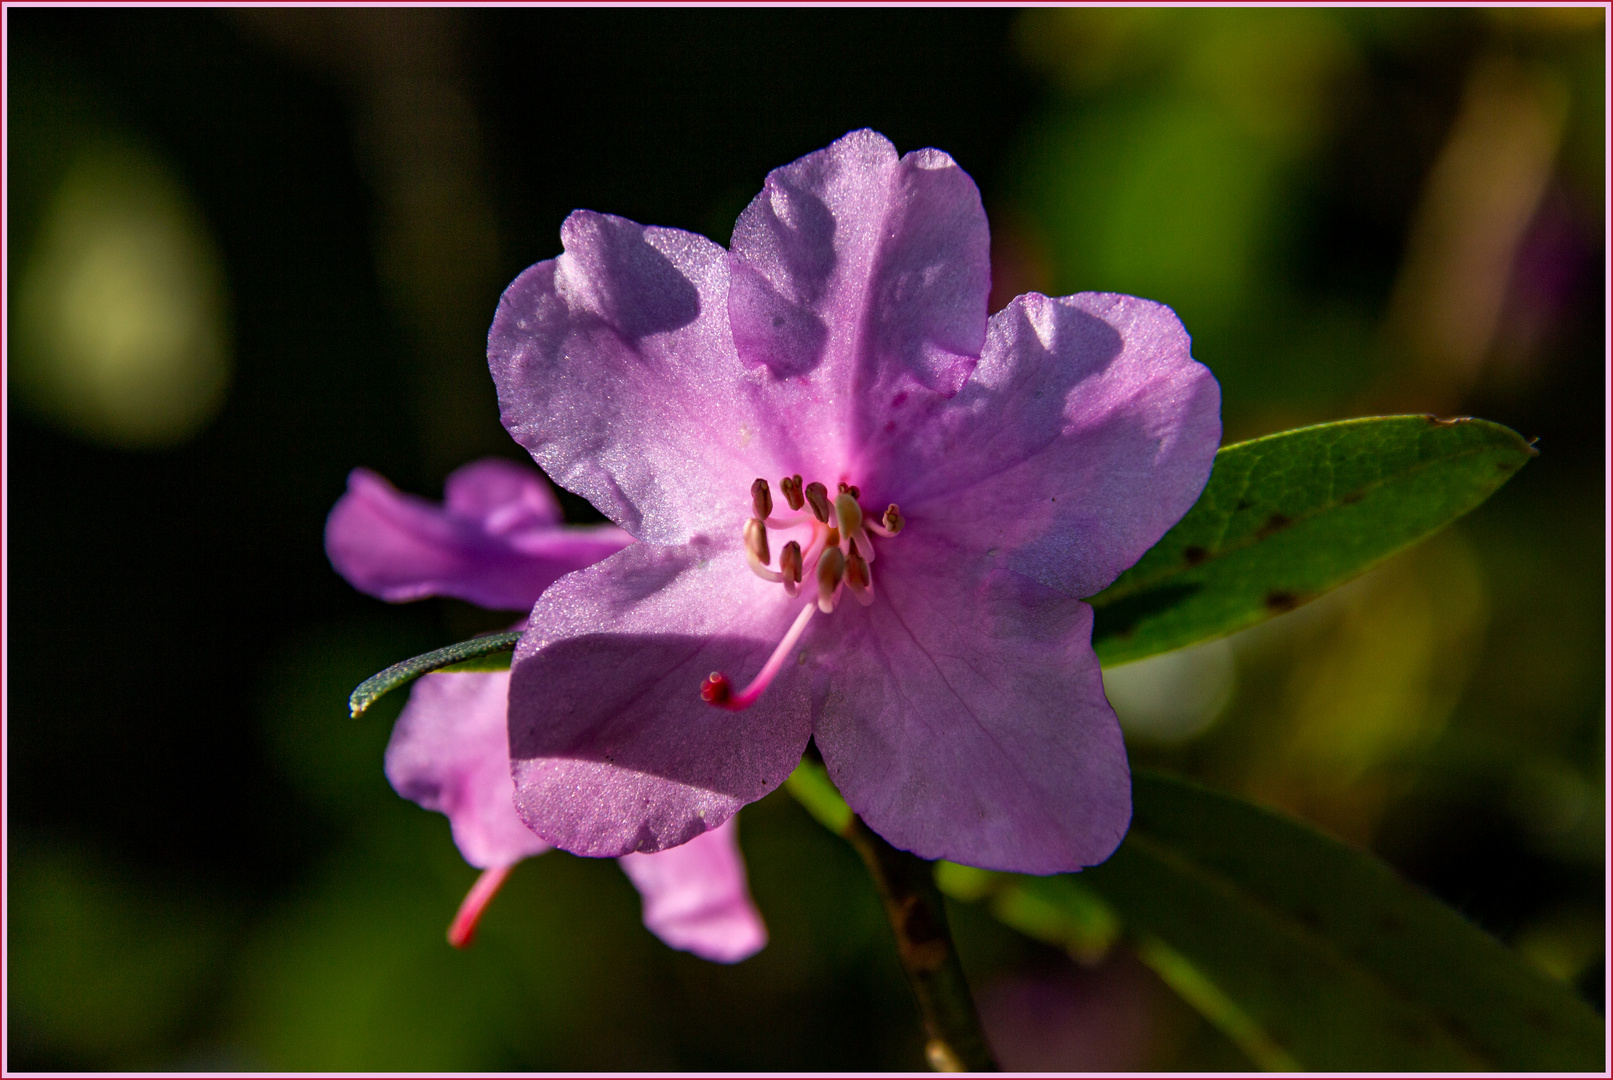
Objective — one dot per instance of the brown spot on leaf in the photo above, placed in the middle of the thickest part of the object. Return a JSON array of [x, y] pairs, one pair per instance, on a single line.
[[1353, 497], [1276, 523], [1193, 554], [1281, 600], [1447, 421]]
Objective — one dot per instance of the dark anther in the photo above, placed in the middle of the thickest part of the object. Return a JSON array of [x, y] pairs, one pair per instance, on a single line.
[[789, 562], [761, 499], [831, 569], [756, 541], [856, 570], [818, 496], [791, 487]]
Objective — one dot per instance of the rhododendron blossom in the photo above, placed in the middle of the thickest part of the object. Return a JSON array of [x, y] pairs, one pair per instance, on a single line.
[[498, 541], [825, 413]]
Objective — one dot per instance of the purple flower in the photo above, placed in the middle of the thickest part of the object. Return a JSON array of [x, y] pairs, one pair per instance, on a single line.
[[826, 413], [498, 541]]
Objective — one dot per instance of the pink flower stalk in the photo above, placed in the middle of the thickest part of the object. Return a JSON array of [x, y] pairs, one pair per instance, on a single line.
[[498, 541], [825, 412]]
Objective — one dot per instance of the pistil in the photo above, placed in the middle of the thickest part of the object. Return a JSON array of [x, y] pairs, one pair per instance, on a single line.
[[719, 691], [463, 928]]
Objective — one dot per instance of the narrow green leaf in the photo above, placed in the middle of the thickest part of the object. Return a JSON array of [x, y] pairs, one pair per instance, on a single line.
[[1287, 517], [490, 653], [1343, 965], [1197, 990]]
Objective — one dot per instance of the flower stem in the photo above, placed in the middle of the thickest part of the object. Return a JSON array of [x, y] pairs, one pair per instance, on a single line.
[[955, 1042]]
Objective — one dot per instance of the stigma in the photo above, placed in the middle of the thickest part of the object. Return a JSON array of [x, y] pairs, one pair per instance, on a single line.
[[830, 554]]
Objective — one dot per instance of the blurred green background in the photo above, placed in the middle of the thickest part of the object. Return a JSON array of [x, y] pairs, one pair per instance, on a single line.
[[252, 249]]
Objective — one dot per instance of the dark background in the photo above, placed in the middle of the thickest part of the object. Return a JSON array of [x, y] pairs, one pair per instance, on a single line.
[[206, 868]]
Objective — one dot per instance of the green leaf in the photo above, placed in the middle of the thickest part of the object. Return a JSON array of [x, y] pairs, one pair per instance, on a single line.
[[1060, 910], [1287, 517], [1191, 984], [812, 788], [1324, 949], [489, 653], [1305, 952]]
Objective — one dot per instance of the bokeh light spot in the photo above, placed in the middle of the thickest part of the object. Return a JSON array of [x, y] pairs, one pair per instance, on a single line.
[[122, 335]]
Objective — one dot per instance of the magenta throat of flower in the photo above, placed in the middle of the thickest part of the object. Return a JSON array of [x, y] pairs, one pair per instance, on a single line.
[[838, 555]]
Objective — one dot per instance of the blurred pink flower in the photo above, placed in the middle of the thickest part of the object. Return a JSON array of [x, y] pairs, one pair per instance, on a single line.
[[498, 541], [842, 344]]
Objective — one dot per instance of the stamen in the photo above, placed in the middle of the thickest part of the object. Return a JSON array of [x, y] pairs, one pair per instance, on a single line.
[[789, 564], [761, 499], [463, 928], [864, 544], [851, 522], [756, 541], [756, 553], [831, 570], [719, 691], [891, 524], [818, 496], [791, 487], [850, 514], [814, 546], [850, 489], [858, 578]]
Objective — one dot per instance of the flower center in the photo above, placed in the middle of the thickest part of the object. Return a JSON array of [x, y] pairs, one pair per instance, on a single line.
[[836, 556]]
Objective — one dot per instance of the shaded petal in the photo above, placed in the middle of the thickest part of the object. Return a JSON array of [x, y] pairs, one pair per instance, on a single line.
[[1086, 432], [613, 748], [616, 369], [399, 547], [696, 899], [450, 753], [501, 495], [963, 717], [857, 276]]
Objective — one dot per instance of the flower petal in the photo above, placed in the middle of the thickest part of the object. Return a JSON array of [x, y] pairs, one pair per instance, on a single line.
[[616, 369], [963, 717], [866, 274], [450, 753], [399, 547], [1086, 432], [696, 899], [500, 494], [613, 748]]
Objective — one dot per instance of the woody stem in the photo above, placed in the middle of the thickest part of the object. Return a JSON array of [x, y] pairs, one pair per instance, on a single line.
[[906, 883]]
